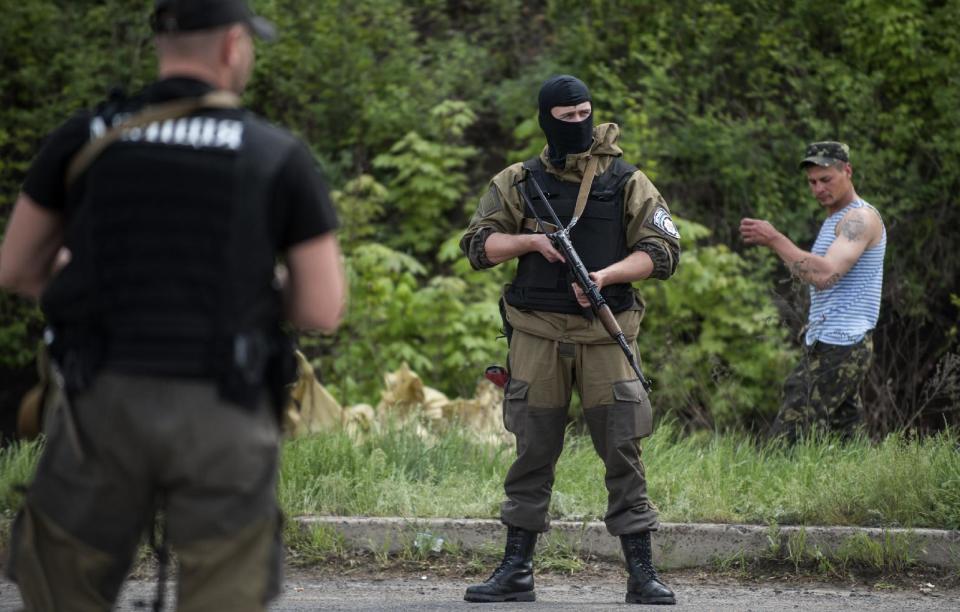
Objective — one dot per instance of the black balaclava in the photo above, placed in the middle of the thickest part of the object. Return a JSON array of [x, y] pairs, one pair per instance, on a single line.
[[564, 137]]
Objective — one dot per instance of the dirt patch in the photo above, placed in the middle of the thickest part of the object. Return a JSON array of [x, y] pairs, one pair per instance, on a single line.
[[364, 566]]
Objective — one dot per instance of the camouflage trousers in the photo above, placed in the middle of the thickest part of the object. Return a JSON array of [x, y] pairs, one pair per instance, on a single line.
[[823, 391]]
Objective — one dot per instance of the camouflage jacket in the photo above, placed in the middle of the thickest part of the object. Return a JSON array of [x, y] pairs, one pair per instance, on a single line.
[[649, 227], [647, 220]]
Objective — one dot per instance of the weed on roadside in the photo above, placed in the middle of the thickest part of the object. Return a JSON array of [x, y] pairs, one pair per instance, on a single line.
[[559, 554], [887, 554], [313, 544]]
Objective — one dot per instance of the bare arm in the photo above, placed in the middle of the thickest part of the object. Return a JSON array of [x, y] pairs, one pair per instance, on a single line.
[[316, 288], [855, 233], [635, 266], [34, 237]]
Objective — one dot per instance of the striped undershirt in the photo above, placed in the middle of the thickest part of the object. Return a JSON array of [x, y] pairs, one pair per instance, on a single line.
[[844, 313]]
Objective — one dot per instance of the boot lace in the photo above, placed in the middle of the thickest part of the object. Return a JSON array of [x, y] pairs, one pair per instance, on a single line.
[[511, 553], [641, 553]]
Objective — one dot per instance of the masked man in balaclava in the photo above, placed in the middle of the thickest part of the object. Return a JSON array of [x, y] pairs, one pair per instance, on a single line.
[[624, 234]]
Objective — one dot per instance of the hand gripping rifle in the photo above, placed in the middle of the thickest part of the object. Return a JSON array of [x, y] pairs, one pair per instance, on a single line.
[[561, 241]]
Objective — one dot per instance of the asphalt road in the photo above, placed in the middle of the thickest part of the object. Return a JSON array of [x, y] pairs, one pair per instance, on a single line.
[[311, 590]]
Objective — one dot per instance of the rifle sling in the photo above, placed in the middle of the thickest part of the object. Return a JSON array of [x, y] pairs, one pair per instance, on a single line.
[[531, 224], [151, 114], [585, 185], [582, 196]]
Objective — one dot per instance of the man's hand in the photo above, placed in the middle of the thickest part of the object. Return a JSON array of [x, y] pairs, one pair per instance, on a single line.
[[545, 247], [634, 267], [758, 231], [500, 247], [597, 277]]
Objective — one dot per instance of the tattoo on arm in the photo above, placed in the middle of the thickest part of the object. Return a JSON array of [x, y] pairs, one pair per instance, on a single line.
[[833, 280], [799, 269], [853, 227]]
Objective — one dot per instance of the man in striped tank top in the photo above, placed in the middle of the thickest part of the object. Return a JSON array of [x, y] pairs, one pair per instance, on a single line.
[[844, 269]]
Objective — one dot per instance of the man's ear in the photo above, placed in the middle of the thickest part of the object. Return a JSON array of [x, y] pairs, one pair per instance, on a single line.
[[229, 44]]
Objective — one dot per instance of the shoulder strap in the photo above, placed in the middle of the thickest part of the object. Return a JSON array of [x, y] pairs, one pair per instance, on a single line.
[[588, 174], [151, 114], [585, 185]]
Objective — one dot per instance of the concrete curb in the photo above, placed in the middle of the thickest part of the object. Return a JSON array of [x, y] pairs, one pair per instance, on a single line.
[[675, 545]]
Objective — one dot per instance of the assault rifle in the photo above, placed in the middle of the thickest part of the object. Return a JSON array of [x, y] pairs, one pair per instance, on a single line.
[[561, 241]]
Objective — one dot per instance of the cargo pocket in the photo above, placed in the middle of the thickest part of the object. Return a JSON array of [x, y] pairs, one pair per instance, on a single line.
[[515, 406], [632, 411]]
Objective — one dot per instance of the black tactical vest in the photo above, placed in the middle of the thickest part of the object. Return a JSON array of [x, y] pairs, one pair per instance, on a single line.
[[599, 237], [172, 261]]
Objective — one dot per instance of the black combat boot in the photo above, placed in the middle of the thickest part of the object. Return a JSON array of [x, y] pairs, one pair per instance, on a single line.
[[643, 587], [513, 579]]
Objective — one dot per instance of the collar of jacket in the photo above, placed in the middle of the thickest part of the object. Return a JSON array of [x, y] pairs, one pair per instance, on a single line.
[[605, 138]]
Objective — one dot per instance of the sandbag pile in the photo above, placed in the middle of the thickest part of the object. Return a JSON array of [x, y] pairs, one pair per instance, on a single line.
[[405, 401]]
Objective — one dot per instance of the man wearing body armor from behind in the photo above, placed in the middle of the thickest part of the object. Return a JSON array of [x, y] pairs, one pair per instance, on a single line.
[[624, 234], [154, 262]]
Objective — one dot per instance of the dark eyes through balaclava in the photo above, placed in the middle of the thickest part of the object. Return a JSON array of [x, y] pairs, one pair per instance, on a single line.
[[564, 137]]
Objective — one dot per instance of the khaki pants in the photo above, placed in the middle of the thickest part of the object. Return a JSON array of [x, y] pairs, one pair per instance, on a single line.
[[617, 411], [144, 441]]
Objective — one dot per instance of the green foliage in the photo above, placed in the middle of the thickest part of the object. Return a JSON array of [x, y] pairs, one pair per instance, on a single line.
[[17, 463], [892, 552], [55, 57], [410, 107], [310, 545], [725, 478], [427, 179], [361, 200], [392, 474], [719, 357], [397, 316], [354, 77], [19, 324], [343, 74]]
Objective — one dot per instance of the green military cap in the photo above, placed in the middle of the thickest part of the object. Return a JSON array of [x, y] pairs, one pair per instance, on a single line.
[[825, 153]]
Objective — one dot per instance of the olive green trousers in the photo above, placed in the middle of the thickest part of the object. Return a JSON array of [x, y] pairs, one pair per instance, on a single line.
[[617, 412], [128, 447]]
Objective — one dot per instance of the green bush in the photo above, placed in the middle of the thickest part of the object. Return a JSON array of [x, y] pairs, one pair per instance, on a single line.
[[411, 106], [712, 338], [397, 314], [426, 179]]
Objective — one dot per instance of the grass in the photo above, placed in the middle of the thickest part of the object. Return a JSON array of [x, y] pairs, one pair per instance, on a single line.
[[729, 478], [17, 463], [899, 482], [891, 554]]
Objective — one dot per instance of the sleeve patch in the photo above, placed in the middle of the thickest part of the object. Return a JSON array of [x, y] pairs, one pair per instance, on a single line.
[[489, 203], [664, 224]]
